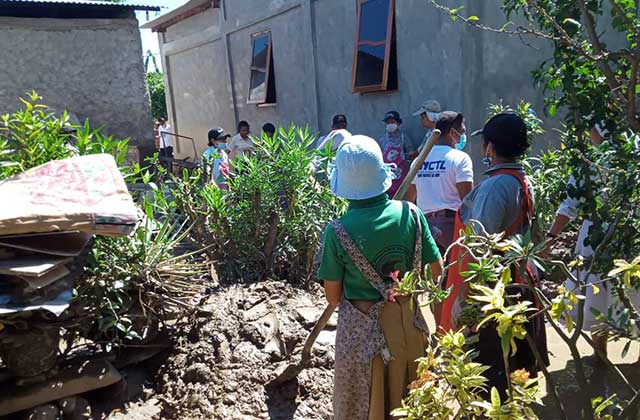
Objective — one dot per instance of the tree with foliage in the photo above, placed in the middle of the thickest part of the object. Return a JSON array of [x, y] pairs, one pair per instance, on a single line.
[[591, 78], [155, 80]]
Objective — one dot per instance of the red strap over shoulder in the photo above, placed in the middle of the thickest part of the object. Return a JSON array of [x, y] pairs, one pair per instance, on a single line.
[[527, 208]]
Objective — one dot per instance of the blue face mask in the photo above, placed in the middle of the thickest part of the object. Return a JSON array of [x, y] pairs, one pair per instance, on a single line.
[[222, 146], [487, 160], [462, 142]]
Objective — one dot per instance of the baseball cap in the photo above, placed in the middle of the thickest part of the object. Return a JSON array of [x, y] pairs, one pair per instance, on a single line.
[[339, 119], [395, 115], [503, 128], [447, 120], [217, 133], [428, 106]]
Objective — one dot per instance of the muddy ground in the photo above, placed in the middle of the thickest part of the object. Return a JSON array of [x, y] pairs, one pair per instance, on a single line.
[[232, 346], [240, 336]]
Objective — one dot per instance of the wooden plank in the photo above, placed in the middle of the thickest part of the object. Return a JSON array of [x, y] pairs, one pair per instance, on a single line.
[[31, 266], [36, 283], [71, 381], [65, 244]]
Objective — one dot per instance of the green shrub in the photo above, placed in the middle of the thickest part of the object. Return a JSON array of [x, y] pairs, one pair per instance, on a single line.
[[271, 219], [35, 135]]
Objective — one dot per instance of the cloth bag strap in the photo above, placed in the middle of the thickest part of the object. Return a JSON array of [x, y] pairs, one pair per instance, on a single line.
[[364, 265]]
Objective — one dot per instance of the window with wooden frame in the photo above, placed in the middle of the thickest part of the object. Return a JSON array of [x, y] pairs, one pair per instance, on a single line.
[[375, 64], [262, 83]]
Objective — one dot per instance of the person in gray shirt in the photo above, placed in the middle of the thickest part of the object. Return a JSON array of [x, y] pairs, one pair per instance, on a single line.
[[498, 200], [501, 203]]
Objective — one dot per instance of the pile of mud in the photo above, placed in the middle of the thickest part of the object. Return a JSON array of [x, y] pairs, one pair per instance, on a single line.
[[225, 357]]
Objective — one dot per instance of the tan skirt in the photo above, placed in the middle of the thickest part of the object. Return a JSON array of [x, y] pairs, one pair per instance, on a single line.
[[376, 350]]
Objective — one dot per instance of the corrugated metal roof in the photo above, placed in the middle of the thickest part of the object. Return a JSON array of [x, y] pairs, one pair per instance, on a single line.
[[122, 4], [165, 19]]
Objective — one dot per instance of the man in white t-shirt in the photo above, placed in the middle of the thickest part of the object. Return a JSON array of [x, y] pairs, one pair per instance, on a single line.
[[337, 134], [444, 179], [241, 143], [165, 138]]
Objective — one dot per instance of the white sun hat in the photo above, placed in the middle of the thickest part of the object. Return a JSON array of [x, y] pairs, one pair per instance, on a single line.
[[360, 172]]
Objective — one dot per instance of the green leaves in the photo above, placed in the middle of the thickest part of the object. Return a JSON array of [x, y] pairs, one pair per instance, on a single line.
[[35, 135], [270, 221], [155, 82], [629, 271], [600, 405]]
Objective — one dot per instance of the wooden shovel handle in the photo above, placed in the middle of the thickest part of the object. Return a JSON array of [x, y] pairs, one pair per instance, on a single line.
[[416, 164], [322, 322]]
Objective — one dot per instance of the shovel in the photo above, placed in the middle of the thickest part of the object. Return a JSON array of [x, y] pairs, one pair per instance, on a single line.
[[293, 369]]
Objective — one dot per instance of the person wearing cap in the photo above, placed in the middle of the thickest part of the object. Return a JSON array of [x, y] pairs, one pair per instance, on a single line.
[[429, 112], [337, 134], [444, 179], [396, 148], [503, 203], [216, 156], [241, 143], [380, 335]]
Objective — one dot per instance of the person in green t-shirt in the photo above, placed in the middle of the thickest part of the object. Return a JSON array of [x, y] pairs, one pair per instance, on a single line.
[[375, 242]]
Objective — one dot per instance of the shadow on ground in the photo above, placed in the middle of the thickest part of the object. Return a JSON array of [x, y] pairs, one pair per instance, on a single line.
[[281, 400], [602, 382]]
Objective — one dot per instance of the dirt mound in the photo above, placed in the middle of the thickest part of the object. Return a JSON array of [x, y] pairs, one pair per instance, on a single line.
[[233, 346]]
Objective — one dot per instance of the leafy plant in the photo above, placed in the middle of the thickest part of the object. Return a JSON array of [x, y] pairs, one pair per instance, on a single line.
[[271, 219], [155, 82], [422, 284], [35, 135], [130, 281], [451, 386], [590, 83]]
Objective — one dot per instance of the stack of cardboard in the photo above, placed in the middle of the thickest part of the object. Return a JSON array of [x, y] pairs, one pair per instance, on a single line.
[[47, 221]]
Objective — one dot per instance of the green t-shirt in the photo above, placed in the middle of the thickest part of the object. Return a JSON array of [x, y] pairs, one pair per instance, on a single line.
[[384, 230]]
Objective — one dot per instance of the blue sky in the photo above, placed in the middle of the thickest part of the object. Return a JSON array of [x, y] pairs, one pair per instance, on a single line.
[[150, 39]]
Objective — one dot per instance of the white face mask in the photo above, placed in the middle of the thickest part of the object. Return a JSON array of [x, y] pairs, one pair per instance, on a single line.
[[392, 128], [433, 116]]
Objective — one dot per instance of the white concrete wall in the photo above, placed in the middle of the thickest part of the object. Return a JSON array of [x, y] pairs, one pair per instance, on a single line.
[[313, 42]]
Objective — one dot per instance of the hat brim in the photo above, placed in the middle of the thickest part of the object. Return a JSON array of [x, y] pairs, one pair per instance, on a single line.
[[352, 192], [419, 112], [477, 133]]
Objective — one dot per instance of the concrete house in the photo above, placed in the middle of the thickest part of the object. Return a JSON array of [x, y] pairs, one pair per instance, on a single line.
[[305, 60], [80, 55]]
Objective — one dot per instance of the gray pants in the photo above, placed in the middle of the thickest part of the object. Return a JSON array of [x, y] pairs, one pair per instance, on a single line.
[[441, 224]]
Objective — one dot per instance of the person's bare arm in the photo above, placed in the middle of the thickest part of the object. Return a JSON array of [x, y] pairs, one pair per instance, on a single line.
[[464, 188], [411, 194], [333, 291], [559, 224], [437, 267]]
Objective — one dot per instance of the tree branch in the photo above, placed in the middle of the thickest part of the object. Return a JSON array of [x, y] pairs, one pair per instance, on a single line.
[[590, 26], [474, 23], [631, 409], [631, 90], [623, 15], [608, 362]]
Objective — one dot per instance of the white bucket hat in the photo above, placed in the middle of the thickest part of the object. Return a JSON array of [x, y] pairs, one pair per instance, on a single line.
[[360, 171]]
